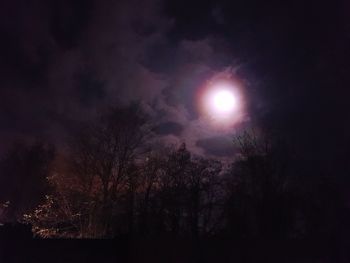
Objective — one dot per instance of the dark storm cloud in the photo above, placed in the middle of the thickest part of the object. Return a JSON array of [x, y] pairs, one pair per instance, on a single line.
[[294, 56], [67, 59], [61, 61], [68, 21], [217, 146], [169, 128]]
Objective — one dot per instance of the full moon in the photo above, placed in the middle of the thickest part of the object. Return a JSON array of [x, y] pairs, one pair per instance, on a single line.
[[224, 101], [221, 102]]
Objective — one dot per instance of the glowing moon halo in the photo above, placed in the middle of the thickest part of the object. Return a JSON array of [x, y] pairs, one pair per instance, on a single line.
[[224, 101], [221, 102]]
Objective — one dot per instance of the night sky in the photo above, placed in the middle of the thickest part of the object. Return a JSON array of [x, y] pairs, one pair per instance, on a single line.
[[63, 61]]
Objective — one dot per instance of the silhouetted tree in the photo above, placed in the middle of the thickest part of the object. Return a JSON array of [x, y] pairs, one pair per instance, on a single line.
[[92, 180], [179, 193], [259, 200], [23, 173], [151, 172], [203, 195]]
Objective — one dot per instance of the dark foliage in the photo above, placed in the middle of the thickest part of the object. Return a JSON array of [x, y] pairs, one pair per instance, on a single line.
[[111, 183], [23, 178]]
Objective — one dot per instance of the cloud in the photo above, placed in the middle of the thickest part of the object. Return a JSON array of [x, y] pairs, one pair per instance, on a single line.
[[75, 60], [169, 127], [218, 146]]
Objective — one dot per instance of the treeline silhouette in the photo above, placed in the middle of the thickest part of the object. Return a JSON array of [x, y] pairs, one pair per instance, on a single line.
[[112, 180]]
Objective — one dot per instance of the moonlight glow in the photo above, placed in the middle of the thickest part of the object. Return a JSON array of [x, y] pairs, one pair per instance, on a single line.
[[224, 101], [221, 102]]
